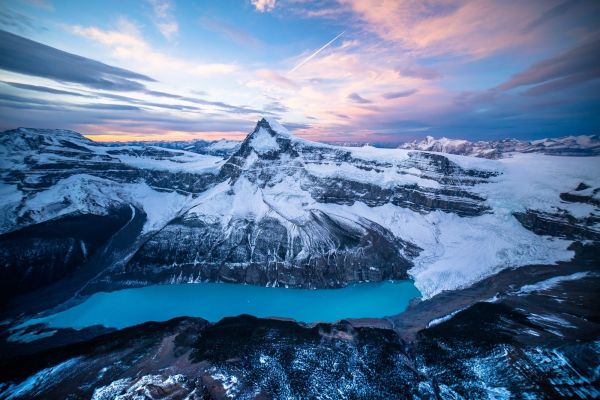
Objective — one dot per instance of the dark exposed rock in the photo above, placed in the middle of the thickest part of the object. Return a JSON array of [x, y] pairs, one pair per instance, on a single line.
[[577, 196], [262, 253], [560, 224], [41, 254]]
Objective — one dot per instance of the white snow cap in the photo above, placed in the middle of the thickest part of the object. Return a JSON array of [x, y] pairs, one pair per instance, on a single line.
[[277, 127]]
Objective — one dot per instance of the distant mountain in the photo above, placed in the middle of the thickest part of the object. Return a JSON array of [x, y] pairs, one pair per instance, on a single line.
[[220, 148], [586, 145]]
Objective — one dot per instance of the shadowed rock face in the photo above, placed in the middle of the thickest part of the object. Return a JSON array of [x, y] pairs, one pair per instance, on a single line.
[[262, 252], [583, 194], [41, 254], [561, 224]]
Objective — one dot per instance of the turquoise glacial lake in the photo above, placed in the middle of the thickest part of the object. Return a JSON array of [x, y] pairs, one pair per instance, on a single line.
[[214, 301]]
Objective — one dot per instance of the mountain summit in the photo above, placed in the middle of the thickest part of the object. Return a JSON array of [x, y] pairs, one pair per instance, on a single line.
[[272, 124], [268, 136]]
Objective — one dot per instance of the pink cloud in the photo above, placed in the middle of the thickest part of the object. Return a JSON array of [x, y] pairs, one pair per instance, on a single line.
[[473, 28], [277, 79], [264, 5]]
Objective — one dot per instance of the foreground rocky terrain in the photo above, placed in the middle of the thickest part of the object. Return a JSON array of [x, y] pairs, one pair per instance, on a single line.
[[536, 341], [504, 252]]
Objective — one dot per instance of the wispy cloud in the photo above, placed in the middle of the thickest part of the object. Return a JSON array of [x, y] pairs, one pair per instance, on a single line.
[[44, 89], [163, 18], [355, 97], [13, 20], [264, 5], [127, 43], [550, 14], [117, 122], [230, 31], [277, 78], [414, 70], [396, 95], [461, 27], [572, 67], [44, 4]]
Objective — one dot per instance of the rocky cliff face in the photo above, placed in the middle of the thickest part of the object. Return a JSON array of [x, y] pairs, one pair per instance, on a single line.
[[221, 148]]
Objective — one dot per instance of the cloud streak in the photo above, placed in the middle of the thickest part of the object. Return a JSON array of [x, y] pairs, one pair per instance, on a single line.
[[396, 95], [230, 32], [27, 57], [580, 64], [550, 14], [313, 55], [355, 97], [44, 89]]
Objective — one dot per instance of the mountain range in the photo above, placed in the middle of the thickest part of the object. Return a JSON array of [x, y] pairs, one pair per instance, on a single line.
[[79, 217], [584, 145]]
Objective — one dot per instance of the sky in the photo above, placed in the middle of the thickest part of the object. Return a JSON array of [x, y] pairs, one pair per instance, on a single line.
[[379, 71]]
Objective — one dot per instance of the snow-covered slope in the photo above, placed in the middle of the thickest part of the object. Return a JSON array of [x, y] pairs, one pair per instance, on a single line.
[[285, 211], [585, 145], [50, 173]]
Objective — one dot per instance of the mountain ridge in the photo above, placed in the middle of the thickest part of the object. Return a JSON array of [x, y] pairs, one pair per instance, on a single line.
[[583, 145]]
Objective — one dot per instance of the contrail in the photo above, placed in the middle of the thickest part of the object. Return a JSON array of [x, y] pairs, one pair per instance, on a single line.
[[307, 59]]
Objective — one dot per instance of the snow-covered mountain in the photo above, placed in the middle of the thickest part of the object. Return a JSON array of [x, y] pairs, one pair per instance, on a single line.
[[584, 145], [281, 211], [476, 235]]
